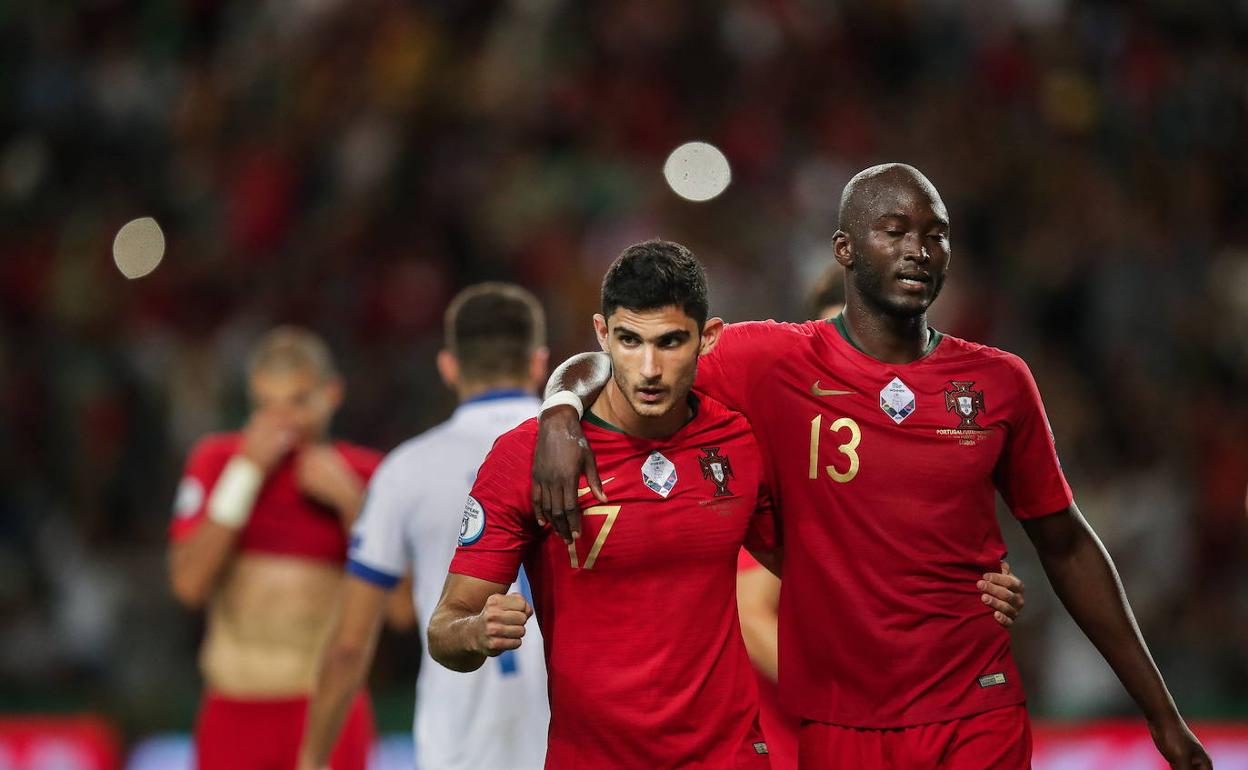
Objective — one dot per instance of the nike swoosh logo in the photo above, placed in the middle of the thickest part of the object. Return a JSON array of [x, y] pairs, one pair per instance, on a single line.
[[815, 390], [585, 490]]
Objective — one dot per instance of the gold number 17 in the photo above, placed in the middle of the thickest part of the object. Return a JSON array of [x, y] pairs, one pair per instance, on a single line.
[[610, 511]]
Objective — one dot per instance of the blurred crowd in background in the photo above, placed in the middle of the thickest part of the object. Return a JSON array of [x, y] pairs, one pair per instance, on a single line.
[[349, 164]]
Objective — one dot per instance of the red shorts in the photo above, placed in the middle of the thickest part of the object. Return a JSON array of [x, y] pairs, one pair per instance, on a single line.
[[265, 734], [994, 740]]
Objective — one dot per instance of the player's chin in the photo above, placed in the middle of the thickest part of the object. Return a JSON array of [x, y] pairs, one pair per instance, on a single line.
[[909, 305], [652, 407]]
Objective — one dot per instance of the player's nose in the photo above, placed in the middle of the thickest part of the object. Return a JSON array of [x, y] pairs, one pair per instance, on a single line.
[[650, 368], [912, 248]]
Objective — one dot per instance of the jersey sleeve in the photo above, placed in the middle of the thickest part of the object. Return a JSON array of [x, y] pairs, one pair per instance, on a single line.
[[203, 467], [1029, 474], [741, 359], [498, 525], [746, 562], [761, 534], [378, 551]]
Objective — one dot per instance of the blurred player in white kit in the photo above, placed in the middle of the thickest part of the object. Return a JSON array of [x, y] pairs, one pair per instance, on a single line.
[[495, 718]]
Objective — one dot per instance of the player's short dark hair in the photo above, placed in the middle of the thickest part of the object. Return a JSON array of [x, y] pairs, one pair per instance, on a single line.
[[291, 348], [493, 329], [829, 290], [656, 274]]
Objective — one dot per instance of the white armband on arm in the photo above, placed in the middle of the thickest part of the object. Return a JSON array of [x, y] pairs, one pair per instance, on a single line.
[[564, 397], [235, 492]]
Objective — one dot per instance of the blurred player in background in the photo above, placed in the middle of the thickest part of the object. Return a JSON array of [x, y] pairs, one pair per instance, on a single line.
[[495, 359], [646, 664], [259, 539], [887, 442]]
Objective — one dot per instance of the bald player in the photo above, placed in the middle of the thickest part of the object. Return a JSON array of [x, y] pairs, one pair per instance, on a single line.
[[259, 540], [886, 443]]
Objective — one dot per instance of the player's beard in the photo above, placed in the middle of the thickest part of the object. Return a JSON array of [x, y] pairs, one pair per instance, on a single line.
[[870, 282]]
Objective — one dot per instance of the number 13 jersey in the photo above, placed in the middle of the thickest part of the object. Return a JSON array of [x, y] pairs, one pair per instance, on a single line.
[[645, 659], [885, 478]]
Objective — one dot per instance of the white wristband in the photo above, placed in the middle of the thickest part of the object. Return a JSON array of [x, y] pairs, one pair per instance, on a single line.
[[235, 492], [564, 397]]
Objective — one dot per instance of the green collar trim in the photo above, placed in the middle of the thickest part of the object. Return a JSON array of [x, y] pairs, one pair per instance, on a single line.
[[933, 337], [594, 419]]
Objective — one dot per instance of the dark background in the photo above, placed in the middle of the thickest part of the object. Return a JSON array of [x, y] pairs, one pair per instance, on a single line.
[[350, 165]]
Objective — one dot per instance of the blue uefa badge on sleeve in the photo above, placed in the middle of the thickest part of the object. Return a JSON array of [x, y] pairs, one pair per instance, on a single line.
[[472, 526]]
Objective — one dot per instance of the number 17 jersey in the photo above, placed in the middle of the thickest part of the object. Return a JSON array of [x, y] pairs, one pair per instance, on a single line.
[[644, 657], [885, 479]]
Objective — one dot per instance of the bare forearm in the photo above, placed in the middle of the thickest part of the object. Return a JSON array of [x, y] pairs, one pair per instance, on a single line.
[[342, 674], [451, 639], [1084, 578], [761, 643], [196, 564], [585, 374], [348, 506]]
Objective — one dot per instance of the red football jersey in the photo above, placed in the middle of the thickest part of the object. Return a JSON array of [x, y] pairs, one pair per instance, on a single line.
[[884, 476], [644, 654], [283, 519]]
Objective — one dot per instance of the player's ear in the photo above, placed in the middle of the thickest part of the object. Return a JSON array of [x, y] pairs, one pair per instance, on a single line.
[[711, 330], [600, 328], [448, 368], [334, 392], [843, 248], [539, 367]]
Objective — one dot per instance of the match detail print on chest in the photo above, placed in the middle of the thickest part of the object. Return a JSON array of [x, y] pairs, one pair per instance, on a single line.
[[835, 431]]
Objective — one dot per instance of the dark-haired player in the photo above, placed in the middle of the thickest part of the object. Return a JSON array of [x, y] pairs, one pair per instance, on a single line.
[[645, 660], [886, 443], [259, 539], [495, 358]]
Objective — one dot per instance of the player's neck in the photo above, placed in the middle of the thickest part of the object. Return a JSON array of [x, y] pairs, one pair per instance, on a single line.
[[613, 408], [884, 337]]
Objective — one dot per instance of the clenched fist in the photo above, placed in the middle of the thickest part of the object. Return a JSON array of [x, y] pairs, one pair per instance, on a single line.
[[500, 624]]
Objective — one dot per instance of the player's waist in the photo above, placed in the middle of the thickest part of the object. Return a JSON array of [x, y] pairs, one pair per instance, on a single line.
[[885, 684]]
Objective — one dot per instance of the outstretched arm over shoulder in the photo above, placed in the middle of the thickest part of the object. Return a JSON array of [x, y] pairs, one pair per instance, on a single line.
[[562, 453]]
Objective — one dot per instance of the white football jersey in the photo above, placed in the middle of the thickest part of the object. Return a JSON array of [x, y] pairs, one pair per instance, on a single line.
[[494, 718]]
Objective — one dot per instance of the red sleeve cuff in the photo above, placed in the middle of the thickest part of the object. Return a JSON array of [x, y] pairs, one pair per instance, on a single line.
[[1044, 508], [483, 568]]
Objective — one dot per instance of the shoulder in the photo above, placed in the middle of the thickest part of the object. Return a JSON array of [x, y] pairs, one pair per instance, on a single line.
[[1005, 372], [413, 452], [516, 444], [985, 356], [717, 419], [215, 447], [771, 331]]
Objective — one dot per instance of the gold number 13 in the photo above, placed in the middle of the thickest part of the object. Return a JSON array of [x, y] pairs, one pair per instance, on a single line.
[[849, 448]]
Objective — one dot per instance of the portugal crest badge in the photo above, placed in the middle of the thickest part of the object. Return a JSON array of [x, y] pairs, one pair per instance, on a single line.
[[966, 403], [716, 468]]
